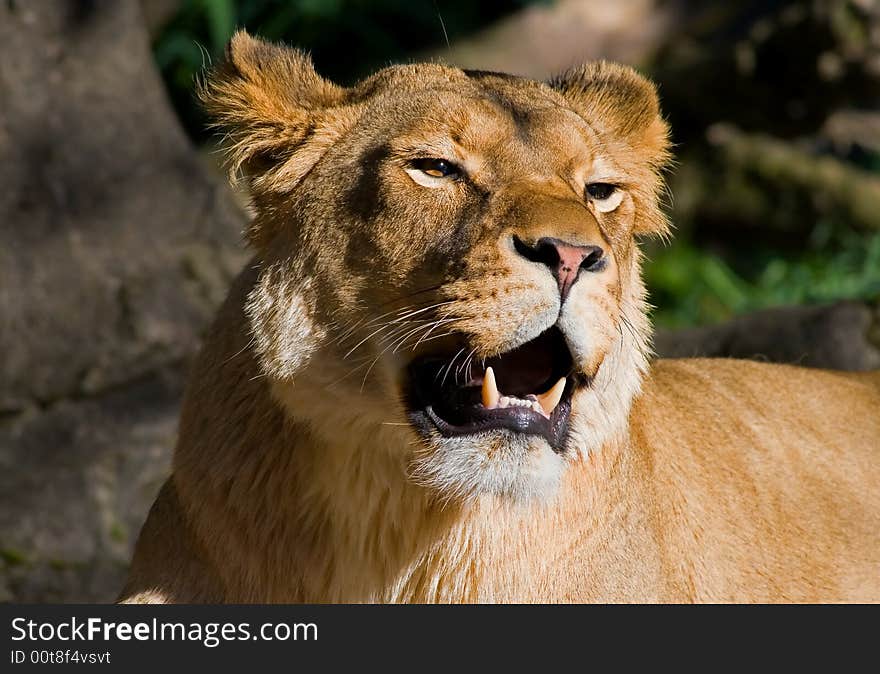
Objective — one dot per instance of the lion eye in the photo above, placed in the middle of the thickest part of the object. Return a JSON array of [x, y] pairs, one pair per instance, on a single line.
[[600, 191], [436, 168], [605, 196]]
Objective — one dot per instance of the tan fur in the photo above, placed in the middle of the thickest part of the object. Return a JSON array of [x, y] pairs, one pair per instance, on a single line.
[[298, 477]]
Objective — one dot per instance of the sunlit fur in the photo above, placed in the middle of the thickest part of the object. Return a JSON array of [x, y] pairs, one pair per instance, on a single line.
[[297, 475]]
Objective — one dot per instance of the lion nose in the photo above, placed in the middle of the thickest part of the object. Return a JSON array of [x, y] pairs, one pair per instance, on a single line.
[[565, 260]]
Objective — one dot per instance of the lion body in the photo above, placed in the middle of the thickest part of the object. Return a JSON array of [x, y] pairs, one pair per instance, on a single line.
[[311, 466], [736, 482]]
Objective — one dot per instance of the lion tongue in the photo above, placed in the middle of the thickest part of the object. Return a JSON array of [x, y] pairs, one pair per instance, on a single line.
[[547, 400]]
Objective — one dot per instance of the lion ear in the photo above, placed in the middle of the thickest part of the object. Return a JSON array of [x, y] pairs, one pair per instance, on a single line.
[[278, 115], [617, 101]]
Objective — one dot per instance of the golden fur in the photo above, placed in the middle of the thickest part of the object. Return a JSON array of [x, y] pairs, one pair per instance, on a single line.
[[298, 476]]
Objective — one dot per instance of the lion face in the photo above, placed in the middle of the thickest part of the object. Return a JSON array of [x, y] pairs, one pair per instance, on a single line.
[[447, 257]]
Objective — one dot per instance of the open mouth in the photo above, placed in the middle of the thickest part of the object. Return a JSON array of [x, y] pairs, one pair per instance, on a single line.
[[526, 390]]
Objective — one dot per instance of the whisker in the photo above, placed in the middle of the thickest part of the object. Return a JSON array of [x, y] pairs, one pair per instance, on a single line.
[[367, 373], [429, 307], [365, 323], [424, 337], [429, 328], [464, 363], [412, 294], [449, 366], [241, 350], [398, 336], [365, 339], [401, 337], [375, 360], [471, 362], [365, 360], [441, 335], [395, 344], [404, 315], [639, 344]]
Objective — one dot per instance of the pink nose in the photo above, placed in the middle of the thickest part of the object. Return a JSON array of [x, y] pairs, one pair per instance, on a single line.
[[565, 260]]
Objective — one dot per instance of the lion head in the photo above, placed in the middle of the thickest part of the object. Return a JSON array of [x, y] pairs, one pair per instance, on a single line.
[[448, 267]]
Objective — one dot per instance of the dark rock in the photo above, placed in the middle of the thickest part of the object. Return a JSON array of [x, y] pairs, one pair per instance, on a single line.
[[116, 246], [103, 202], [842, 336], [76, 482]]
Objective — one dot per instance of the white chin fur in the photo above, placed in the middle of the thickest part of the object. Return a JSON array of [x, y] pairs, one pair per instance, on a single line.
[[501, 463]]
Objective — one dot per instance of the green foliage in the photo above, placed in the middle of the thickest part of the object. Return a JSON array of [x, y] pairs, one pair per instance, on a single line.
[[13, 557], [775, 224], [693, 286]]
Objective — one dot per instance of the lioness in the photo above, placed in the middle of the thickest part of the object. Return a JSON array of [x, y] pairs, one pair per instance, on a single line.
[[433, 382]]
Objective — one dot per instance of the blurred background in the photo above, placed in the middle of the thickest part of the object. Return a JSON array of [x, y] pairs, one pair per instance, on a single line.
[[119, 235], [772, 104]]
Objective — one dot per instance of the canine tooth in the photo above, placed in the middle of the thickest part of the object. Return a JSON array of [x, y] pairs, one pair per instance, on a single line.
[[551, 398], [503, 401], [490, 390], [536, 406]]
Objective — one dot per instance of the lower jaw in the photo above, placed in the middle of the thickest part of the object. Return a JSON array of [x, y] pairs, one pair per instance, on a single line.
[[553, 430]]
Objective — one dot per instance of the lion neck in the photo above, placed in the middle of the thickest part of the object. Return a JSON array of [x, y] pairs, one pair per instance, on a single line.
[[372, 535]]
